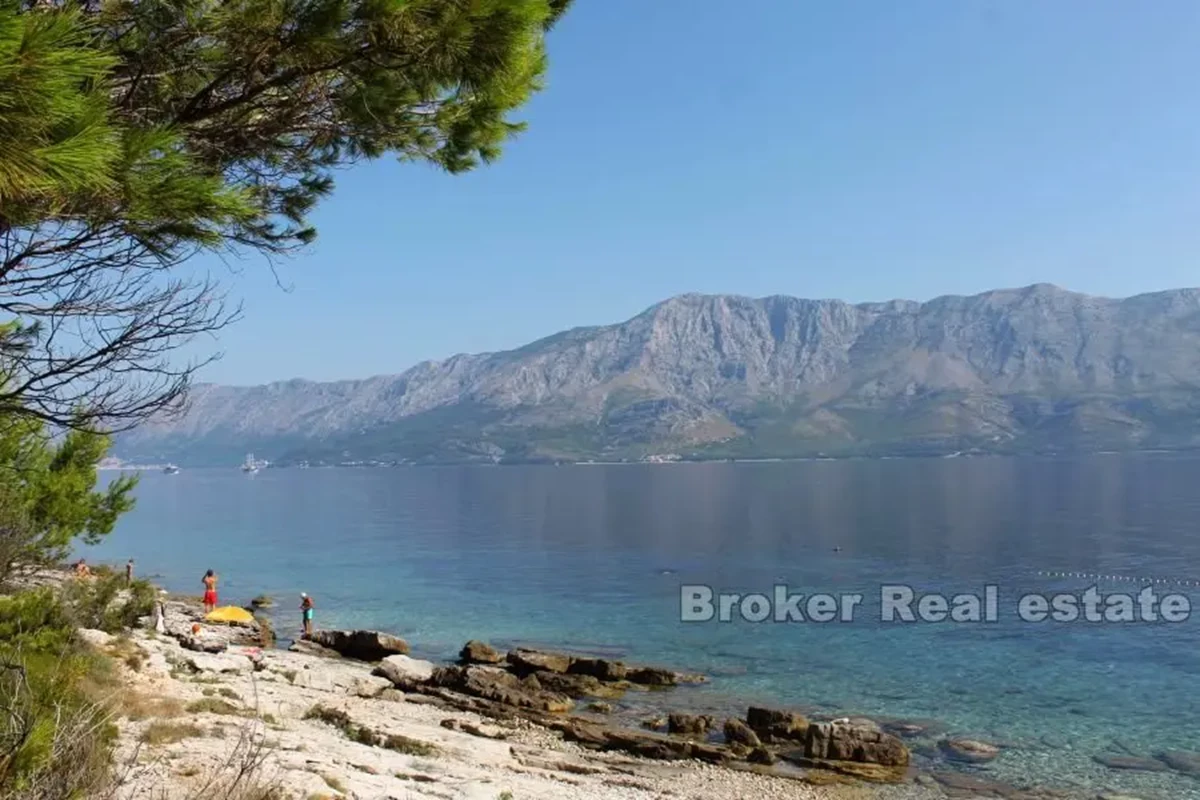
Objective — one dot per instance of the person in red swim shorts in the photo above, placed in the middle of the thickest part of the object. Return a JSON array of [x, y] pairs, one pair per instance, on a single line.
[[210, 591]]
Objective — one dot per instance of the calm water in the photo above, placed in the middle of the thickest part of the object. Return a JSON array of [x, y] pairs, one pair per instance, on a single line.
[[593, 557]]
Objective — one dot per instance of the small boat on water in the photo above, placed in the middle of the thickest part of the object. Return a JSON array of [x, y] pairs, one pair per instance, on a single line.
[[250, 464], [171, 469]]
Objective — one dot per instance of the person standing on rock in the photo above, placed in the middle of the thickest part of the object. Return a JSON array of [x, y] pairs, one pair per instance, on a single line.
[[129, 572], [306, 613], [210, 592]]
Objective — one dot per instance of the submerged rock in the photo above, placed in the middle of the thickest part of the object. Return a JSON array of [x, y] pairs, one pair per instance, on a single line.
[[968, 751], [905, 730], [361, 645], [980, 787], [1134, 763], [1182, 761]]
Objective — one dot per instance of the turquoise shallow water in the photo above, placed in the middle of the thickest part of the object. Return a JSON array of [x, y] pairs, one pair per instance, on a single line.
[[593, 557]]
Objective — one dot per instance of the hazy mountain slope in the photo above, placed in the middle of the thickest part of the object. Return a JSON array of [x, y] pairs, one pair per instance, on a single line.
[[1032, 368]]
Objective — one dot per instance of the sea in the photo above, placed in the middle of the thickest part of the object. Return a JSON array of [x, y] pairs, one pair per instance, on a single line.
[[615, 560]]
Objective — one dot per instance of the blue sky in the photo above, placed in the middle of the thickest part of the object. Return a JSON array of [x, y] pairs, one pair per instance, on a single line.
[[852, 149]]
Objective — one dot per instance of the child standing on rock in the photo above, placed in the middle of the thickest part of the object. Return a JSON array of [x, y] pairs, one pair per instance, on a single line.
[[306, 612]]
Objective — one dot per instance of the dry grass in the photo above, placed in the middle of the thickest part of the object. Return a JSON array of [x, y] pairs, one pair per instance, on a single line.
[[66, 743], [127, 652], [161, 732], [408, 746], [135, 706], [246, 773], [213, 705]]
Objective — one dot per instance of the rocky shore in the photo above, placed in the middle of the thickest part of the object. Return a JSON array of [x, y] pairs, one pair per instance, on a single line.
[[326, 725], [352, 714]]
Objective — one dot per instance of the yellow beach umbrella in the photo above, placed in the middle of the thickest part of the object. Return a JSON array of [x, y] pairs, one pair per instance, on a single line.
[[229, 614]]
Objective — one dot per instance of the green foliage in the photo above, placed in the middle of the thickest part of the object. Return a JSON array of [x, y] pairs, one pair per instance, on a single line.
[[269, 95], [105, 603], [55, 731], [56, 143], [35, 622], [134, 133], [48, 494]]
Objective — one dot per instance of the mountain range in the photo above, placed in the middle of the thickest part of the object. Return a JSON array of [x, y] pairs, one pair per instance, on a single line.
[[1037, 369]]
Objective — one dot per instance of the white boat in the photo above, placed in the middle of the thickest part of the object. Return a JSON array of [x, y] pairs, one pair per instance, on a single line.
[[171, 469], [250, 465]]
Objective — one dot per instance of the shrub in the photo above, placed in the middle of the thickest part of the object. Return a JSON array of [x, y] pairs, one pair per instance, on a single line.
[[106, 603], [56, 735], [35, 622]]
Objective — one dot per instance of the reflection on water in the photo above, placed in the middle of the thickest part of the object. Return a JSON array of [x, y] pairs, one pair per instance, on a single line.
[[594, 557]]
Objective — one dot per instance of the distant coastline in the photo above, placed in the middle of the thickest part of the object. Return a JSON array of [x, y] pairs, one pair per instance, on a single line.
[[118, 465], [131, 466]]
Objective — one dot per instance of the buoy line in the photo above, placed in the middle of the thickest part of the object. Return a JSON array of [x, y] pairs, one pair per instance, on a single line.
[[1094, 576]]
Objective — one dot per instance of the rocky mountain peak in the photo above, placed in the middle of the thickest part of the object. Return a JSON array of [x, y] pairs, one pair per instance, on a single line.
[[1032, 367]]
